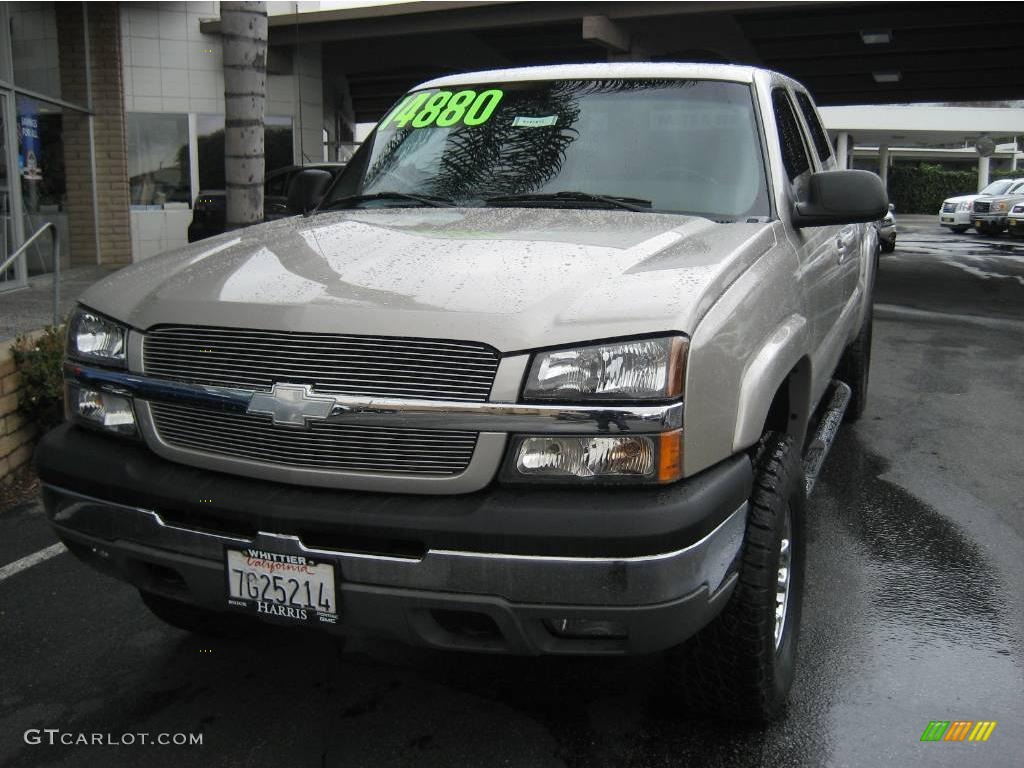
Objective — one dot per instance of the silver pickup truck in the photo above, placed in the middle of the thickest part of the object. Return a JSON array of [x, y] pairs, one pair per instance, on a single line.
[[550, 369]]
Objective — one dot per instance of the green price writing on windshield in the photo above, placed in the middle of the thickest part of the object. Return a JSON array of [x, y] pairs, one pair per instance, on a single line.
[[444, 108]]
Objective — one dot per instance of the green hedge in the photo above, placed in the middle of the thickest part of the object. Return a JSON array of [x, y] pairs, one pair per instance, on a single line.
[[39, 363], [922, 188]]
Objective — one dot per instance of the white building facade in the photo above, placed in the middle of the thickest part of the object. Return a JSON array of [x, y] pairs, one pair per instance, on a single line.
[[174, 110]]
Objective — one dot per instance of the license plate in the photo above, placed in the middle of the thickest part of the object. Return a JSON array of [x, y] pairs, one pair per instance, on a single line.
[[947, 219], [274, 585]]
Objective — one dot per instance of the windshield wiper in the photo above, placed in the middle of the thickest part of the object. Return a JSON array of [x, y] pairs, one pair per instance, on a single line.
[[430, 200], [611, 201]]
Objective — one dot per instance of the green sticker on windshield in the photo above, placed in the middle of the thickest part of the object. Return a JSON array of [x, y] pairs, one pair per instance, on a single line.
[[444, 109]]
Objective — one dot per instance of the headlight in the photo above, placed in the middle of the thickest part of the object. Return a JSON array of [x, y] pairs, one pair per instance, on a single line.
[[965, 206], [642, 369], [112, 413], [95, 338], [597, 459], [1000, 206]]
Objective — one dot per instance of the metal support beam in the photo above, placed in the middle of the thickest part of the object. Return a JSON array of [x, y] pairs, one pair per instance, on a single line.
[[604, 32]]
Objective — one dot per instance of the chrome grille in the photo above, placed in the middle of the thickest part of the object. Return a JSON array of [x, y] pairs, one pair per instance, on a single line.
[[333, 363], [324, 446], [982, 207], [949, 207]]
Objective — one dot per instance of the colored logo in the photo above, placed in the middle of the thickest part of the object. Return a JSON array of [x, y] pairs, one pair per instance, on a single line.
[[958, 730]]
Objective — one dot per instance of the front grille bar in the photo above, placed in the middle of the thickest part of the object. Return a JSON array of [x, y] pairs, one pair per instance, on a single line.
[[367, 366], [403, 413], [330, 447]]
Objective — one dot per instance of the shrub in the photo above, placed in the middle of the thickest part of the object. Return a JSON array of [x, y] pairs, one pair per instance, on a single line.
[[39, 362], [922, 188]]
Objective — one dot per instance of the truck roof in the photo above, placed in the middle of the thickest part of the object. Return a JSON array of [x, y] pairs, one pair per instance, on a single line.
[[603, 71]]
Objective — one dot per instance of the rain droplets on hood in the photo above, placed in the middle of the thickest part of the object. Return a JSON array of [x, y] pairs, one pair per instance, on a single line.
[[509, 277]]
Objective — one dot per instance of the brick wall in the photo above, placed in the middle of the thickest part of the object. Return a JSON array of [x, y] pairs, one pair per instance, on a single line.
[[17, 435], [108, 129], [109, 132], [75, 126]]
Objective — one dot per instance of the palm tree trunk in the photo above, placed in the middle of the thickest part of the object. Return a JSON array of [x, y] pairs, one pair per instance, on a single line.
[[244, 31]]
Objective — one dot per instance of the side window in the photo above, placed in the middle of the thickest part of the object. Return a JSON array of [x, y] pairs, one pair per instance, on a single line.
[[821, 142], [794, 155], [277, 185]]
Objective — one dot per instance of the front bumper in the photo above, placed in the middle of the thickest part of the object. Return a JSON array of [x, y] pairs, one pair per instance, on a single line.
[[659, 562], [956, 219], [1015, 225], [887, 233], [991, 221]]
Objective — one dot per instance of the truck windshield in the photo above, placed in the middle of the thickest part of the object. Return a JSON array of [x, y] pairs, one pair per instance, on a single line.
[[997, 187], [676, 146]]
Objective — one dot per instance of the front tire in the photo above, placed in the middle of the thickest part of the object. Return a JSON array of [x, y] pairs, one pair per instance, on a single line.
[[741, 665]]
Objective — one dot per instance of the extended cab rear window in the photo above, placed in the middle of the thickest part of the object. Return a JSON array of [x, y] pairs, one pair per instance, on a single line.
[[821, 143], [676, 146], [794, 155]]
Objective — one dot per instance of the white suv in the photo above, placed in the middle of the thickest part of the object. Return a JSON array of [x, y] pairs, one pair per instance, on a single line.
[[956, 212], [1015, 220]]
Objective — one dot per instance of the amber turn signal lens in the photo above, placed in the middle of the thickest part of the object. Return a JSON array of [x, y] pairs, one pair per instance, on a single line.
[[677, 367], [670, 456]]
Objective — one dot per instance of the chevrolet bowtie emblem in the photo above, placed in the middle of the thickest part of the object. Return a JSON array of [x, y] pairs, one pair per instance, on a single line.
[[293, 404]]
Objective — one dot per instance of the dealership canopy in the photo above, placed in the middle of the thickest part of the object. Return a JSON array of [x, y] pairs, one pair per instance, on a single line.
[[846, 53]]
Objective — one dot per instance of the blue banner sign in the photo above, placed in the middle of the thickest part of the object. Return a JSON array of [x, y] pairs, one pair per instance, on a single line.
[[30, 154]]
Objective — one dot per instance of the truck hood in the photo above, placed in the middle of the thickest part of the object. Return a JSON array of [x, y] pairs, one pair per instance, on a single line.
[[1001, 198], [514, 278], [962, 199]]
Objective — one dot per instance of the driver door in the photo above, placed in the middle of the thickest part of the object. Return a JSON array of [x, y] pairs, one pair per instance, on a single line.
[[826, 253]]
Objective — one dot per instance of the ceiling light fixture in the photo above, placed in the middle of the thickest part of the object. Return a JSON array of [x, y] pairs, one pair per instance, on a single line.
[[876, 36], [887, 76]]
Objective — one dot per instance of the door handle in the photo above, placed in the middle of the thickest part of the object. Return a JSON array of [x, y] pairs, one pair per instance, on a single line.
[[840, 250]]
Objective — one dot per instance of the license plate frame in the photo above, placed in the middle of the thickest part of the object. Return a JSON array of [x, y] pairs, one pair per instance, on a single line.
[[275, 585]]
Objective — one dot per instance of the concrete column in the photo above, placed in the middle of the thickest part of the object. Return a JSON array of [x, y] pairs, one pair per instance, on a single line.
[[982, 173], [842, 150], [883, 164], [308, 115], [344, 118]]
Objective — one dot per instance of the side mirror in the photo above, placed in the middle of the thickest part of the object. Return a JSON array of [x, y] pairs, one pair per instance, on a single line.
[[892, 207], [841, 197], [307, 189]]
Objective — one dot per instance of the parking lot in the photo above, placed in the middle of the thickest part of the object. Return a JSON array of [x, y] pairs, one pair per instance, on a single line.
[[914, 608]]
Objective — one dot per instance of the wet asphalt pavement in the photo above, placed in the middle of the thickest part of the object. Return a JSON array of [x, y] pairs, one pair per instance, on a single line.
[[914, 609]]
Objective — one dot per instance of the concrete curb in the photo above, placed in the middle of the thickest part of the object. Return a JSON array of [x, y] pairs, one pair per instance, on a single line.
[[896, 312]]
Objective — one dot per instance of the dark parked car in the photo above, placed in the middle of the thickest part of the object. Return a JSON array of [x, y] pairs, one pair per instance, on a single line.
[[886, 228], [210, 209]]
